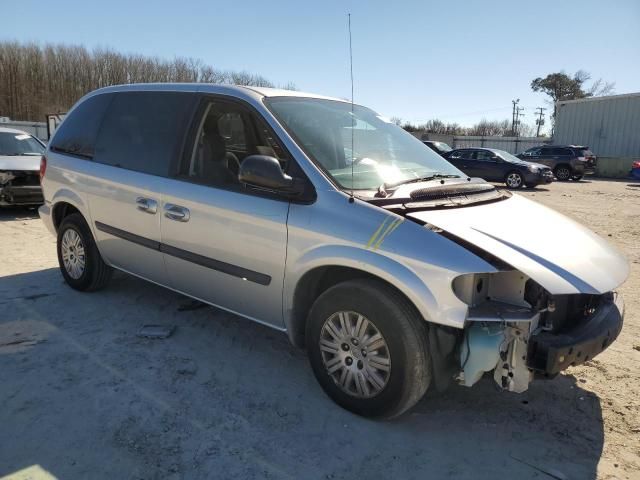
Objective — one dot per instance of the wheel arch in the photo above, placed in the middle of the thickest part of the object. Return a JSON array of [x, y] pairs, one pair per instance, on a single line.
[[64, 203], [318, 276]]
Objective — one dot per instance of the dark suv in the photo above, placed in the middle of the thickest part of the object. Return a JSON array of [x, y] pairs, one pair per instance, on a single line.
[[566, 161]]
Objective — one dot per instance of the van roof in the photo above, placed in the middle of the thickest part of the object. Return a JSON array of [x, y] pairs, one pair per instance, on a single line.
[[232, 90]]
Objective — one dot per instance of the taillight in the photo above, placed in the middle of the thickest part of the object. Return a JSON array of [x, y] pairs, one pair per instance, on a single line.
[[636, 164], [43, 167]]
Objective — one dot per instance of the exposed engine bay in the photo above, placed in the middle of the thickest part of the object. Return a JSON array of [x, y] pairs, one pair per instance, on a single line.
[[517, 330], [20, 188]]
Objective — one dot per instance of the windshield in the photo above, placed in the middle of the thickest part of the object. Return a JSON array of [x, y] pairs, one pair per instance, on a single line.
[[12, 143], [443, 147], [506, 156], [382, 152]]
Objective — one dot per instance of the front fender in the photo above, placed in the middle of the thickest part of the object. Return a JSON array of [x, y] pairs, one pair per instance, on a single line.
[[383, 267]]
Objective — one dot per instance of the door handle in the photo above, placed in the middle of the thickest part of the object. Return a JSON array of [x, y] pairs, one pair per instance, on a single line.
[[147, 205], [176, 212]]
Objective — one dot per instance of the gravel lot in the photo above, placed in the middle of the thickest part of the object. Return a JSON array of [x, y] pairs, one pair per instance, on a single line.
[[82, 397]]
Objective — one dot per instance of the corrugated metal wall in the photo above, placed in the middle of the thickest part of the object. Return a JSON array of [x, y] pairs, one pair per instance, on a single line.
[[610, 126], [509, 144]]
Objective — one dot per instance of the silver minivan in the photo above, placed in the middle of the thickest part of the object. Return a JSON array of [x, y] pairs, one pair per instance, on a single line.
[[324, 220]]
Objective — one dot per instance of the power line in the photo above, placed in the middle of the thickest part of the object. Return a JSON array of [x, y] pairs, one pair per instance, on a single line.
[[540, 119], [513, 116]]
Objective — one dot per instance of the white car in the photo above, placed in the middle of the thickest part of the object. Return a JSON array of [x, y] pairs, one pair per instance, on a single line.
[[322, 219], [20, 155]]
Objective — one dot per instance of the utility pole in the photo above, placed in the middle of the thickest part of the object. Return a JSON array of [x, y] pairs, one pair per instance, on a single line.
[[513, 116], [518, 115], [540, 120]]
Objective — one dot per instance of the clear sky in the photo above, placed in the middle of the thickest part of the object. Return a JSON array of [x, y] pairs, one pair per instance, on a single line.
[[458, 61]]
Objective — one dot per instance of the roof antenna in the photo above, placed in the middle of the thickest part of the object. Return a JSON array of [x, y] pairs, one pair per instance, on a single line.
[[351, 199]]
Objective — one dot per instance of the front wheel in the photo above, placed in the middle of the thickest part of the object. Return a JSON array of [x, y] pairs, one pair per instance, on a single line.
[[514, 180], [368, 348], [80, 262]]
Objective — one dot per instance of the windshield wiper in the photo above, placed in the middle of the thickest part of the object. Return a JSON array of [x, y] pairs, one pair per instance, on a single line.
[[386, 186]]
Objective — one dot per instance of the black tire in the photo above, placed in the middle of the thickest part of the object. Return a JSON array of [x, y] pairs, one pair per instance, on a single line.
[[402, 328], [514, 180], [563, 173], [96, 273]]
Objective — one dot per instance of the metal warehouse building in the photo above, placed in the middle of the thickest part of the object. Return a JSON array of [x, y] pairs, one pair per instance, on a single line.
[[610, 126]]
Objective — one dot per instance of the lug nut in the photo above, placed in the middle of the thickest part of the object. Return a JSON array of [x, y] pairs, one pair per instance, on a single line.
[[360, 364], [345, 347], [354, 341], [348, 361], [363, 352]]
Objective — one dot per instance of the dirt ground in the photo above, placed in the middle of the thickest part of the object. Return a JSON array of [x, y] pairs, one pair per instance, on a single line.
[[81, 396]]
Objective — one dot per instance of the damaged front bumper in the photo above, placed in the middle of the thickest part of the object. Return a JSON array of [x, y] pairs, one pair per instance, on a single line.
[[550, 353], [516, 342], [20, 188]]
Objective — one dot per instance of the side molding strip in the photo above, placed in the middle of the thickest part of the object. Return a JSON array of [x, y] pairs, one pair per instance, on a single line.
[[217, 265], [131, 237]]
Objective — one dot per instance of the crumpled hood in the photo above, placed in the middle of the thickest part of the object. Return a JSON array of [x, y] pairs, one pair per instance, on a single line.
[[558, 253], [20, 162]]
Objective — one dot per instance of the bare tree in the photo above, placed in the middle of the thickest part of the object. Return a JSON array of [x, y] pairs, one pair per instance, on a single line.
[[36, 80]]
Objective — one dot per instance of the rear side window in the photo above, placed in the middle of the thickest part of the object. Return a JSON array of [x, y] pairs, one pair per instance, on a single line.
[[561, 152], [143, 131], [78, 132]]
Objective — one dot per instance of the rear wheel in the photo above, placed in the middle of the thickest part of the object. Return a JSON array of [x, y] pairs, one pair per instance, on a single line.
[[80, 262], [514, 180], [562, 173], [367, 348]]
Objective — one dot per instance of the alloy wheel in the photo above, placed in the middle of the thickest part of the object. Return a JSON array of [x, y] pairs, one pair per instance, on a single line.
[[563, 173], [73, 255], [514, 180], [355, 354]]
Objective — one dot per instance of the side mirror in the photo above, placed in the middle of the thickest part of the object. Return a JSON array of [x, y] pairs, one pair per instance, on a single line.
[[263, 171]]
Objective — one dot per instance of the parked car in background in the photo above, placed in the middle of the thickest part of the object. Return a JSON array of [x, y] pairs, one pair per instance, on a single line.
[[635, 170], [499, 166], [566, 161], [320, 219], [20, 155], [439, 147]]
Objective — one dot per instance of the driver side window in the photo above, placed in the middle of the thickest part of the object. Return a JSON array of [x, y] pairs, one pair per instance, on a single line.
[[227, 134]]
